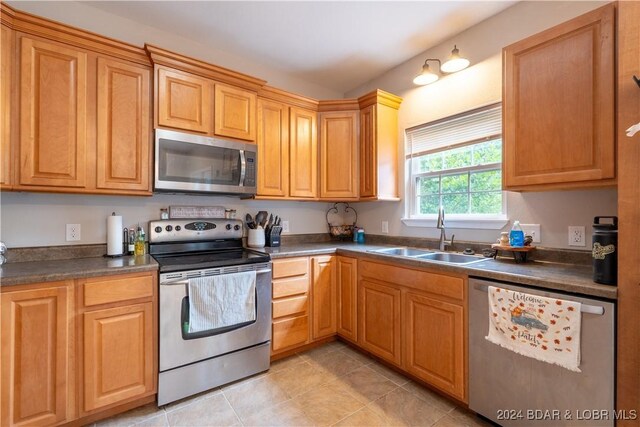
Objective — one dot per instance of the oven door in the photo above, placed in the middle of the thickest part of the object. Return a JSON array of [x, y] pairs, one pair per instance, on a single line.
[[178, 347], [194, 163]]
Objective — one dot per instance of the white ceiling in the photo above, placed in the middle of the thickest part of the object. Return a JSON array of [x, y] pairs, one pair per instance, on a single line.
[[338, 45]]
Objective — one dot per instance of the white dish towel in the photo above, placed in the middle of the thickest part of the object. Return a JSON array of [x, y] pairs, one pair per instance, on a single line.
[[546, 329], [219, 301]]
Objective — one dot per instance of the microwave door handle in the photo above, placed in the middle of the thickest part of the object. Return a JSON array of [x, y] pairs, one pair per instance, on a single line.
[[243, 167]]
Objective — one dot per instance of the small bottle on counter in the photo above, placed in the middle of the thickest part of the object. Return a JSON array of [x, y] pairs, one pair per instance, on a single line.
[[131, 242], [360, 235], [516, 235], [140, 245]]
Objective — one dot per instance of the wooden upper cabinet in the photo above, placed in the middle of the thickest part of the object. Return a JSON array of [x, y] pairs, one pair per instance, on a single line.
[[36, 356], [273, 148], [303, 154], [323, 295], [185, 101], [339, 155], [235, 112], [53, 114], [347, 283], [118, 354], [6, 82], [435, 342], [378, 151], [379, 329], [123, 125], [559, 93]]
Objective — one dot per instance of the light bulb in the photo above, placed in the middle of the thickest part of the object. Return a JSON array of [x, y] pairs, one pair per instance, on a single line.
[[426, 76], [455, 63]]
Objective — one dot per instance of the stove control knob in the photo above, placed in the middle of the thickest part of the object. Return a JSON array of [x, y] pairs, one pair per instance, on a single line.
[[158, 229], [236, 227], [178, 228], [228, 227], [168, 228]]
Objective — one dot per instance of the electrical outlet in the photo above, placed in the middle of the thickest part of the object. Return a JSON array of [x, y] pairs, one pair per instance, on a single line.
[[73, 232], [576, 235], [385, 227], [532, 230], [285, 226]]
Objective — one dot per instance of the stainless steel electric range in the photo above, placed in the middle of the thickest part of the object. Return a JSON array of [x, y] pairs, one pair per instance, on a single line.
[[194, 362]]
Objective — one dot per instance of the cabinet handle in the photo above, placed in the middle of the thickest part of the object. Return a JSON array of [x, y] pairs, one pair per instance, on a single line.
[[637, 80]]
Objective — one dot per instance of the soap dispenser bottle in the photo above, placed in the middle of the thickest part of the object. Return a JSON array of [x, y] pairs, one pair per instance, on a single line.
[[516, 235]]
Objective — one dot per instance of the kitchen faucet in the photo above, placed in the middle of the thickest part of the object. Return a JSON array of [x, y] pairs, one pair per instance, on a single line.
[[443, 236]]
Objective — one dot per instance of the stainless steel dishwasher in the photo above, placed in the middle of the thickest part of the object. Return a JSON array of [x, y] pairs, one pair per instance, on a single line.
[[514, 390]]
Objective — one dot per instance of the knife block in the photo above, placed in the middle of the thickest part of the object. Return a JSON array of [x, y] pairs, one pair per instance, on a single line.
[[273, 236]]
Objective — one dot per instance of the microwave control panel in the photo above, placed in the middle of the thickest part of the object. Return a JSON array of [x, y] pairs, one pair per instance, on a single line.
[[250, 174]]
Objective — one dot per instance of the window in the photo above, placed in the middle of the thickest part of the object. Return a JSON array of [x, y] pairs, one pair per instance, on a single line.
[[457, 163]]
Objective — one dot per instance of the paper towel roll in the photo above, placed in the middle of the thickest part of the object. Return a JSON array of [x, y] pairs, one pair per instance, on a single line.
[[114, 235]]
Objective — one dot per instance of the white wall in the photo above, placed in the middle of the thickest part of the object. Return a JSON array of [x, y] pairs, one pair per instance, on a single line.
[[83, 15], [34, 219], [478, 85]]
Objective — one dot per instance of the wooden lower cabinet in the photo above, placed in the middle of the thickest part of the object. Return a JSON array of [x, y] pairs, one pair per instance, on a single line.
[[434, 342], [347, 284], [290, 333], [323, 296], [118, 354], [37, 348], [379, 315], [75, 349]]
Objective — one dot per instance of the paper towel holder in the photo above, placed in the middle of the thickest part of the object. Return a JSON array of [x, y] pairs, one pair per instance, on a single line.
[[107, 255]]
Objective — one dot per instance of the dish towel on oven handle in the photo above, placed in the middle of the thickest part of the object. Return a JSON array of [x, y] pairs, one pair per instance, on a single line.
[[547, 329], [219, 301]]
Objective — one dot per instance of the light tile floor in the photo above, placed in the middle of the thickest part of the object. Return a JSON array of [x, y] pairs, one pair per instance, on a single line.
[[329, 385]]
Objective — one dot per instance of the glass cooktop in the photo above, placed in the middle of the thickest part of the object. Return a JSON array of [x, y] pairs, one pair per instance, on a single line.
[[210, 259]]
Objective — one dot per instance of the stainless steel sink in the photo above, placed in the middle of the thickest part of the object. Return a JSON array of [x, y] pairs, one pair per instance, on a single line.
[[409, 252], [451, 258]]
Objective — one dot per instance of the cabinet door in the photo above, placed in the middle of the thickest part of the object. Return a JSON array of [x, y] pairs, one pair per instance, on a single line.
[[347, 276], [123, 126], [303, 154], [339, 155], [118, 354], [379, 318], [6, 70], [235, 112], [368, 158], [323, 296], [434, 343], [36, 355], [53, 114], [559, 93], [184, 101], [273, 149]]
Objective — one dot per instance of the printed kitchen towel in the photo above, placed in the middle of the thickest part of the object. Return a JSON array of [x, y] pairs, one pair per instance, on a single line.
[[546, 329], [219, 301]]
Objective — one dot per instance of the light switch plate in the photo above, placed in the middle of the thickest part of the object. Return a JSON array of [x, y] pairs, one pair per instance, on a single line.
[[533, 230], [385, 227], [577, 235]]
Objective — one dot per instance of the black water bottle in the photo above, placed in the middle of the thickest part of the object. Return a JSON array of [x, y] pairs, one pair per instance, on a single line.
[[604, 250]]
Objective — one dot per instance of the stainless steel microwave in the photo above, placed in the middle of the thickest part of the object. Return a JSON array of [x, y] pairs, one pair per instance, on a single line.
[[192, 163]]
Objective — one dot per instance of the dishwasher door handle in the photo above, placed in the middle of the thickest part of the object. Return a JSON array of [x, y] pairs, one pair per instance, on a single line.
[[584, 308]]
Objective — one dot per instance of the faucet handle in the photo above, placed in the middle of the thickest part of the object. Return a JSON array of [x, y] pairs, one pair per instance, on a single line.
[[451, 242]]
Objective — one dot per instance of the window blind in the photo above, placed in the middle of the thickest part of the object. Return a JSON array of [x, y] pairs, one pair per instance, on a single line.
[[476, 126]]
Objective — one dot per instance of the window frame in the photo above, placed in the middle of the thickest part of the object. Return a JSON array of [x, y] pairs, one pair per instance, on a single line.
[[469, 220]]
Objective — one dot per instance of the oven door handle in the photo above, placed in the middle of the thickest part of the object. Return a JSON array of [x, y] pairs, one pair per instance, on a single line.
[[186, 282], [243, 168]]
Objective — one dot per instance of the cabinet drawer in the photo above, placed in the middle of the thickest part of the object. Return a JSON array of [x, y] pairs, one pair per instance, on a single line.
[[290, 306], [439, 284], [290, 332], [290, 267], [104, 290], [292, 286]]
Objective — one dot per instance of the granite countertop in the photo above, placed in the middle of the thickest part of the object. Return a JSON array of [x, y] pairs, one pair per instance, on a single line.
[[18, 273], [555, 276]]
